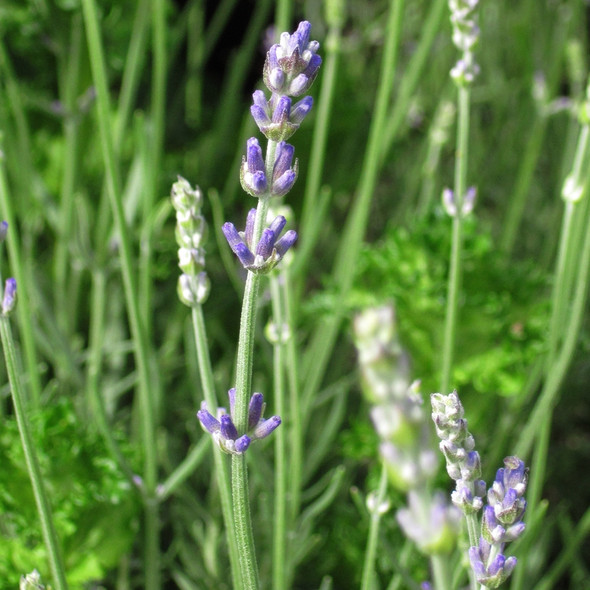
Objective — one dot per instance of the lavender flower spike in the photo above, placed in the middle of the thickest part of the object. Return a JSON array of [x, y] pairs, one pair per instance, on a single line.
[[269, 250], [491, 569], [223, 429], [277, 119], [292, 65]]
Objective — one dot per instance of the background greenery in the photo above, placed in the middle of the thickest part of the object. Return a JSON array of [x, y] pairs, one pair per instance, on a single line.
[[180, 77]]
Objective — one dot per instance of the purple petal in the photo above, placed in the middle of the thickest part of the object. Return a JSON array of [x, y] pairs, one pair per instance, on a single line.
[[286, 242], [210, 423], [299, 85], [266, 427], [242, 443], [284, 183], [282, 110], [249, 231], [231, 394], [283, 159], [231, 234], [496, 565], [243, 253], [255, 410], [254, 156], [260, 117], [277, 225], [300, 110], [266, 243], [260, 100], [228, 430]]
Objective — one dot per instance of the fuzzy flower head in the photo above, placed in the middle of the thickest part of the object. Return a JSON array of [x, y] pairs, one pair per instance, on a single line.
[[292, 65], [224, 432], [270, 249], [491, 568], [253, 174], [277, 118]]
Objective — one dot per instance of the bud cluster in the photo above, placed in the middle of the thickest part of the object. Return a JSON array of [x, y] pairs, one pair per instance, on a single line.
[[457, 445], [191, 231], [502, 516], [465, 37], [402, 425], [223, 430], [270, 248]]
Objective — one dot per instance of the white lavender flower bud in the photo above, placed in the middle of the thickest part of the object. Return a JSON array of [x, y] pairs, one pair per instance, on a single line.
[[190, 232]]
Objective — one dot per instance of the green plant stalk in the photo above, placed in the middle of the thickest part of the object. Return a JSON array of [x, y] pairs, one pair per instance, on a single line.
[[561, 282], [283, 17], [69, 91], [294, 422], [241, 502], [150, 188], [517, 202], [95, 356], [413, 75], [317, 157], [279, 564], [19, 269], [556, 373], [221, 468], [134, 61], [141, 347], [324, 337], [180, 474], [371, 551], [454, 283], [41, 499]]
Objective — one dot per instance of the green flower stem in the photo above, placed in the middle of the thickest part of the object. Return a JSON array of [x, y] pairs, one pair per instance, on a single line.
[[221, 466], [23, 310], [180, 474], [141, 349], [283, 14], [94, 365], [310, 224], [41, 499], [562, 282], [457, 238], [294, 423], [280, 493], [324, 337], [413, 75], [530, 159], [371, 551], [69, 92], [241, 503], [156, 135], [473, 533]]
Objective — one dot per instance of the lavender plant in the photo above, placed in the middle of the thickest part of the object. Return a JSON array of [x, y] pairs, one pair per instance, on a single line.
[[289, 70], [502, 516], [406, 448]]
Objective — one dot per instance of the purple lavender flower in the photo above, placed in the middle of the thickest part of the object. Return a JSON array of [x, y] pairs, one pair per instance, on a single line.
[[9, 300], [284, 172], [4, 226], [252, 175], [292, 65], [277, 118], [223, 429], [491, 569], [270, 248]]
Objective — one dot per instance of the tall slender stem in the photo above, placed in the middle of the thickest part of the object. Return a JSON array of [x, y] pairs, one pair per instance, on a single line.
[[43, 506], [141, 347], [280, 493], [457, 239], [221, 468], [371, 552]]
